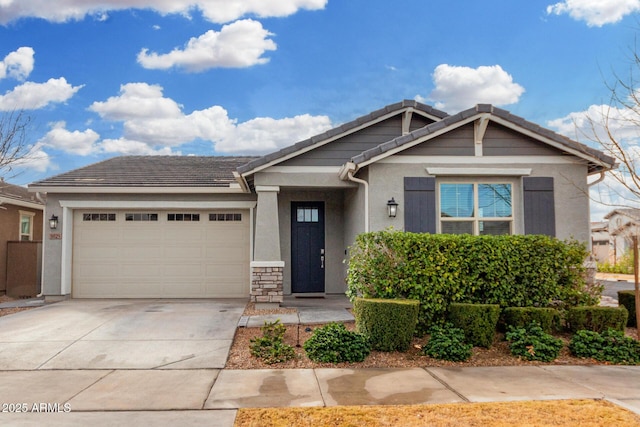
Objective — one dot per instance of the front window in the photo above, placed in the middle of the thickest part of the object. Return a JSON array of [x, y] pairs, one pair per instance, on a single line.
[[26, 225], [476, 208]]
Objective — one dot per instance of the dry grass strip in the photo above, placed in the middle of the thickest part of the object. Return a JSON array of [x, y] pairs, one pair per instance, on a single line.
[[583, 413]]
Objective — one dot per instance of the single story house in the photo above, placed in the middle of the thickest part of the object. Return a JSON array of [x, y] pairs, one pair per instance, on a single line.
[[20, 222], [261, 227], [623, 223]]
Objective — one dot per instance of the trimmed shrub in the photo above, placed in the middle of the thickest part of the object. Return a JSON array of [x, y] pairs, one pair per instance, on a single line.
[[519, 317], [438, 269], [389, 324], [447, 343], [627, 299], [270, 347], [478, 321], [533, 343], [333, 343], [609, 346], [596, 319]]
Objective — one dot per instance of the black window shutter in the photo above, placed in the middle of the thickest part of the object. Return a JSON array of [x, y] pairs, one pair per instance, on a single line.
[[420, 204], [539, 206]]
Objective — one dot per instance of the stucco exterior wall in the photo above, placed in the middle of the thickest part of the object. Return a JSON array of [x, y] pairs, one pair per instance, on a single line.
[[386, 180]]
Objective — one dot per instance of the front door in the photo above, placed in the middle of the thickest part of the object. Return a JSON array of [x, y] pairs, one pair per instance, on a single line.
[[307, 247]]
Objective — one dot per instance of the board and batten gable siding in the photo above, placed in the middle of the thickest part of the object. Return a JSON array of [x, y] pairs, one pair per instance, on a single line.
[[502, 141], [340, 151], [458, 142]]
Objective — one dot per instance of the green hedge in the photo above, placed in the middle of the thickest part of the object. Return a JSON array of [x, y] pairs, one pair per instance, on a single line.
[[389, 324], [438, 269], [478, 321], [519, 317], [596, 319], [627, 299]]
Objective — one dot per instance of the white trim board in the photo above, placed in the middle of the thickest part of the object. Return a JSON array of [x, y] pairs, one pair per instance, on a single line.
[[484, 160], [155, 204]]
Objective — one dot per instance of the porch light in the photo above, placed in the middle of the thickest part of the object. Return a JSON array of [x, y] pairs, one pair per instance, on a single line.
[[53, 222], [392, 208]]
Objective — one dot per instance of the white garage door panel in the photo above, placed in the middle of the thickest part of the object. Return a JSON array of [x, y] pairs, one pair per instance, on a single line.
[[160, 259]]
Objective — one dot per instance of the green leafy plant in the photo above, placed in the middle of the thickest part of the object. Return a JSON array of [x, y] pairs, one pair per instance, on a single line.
[[270, 347], [627, 299], [519, 317], [437, 270], [532, 343], [388, 323], [596, 318], [478, 321], [333, 343], [623, 266], [610, 346], [447, 343]]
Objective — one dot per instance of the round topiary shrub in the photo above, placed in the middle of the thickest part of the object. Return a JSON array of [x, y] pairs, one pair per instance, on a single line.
[[333, 343]]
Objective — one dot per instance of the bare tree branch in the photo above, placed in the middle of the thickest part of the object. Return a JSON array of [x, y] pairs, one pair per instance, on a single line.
[[14, 149]]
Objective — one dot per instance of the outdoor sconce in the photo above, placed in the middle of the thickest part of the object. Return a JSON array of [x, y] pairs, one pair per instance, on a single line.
[[392, 208], [53, 222]]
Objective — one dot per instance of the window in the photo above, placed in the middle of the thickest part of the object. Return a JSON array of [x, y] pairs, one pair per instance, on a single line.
[[307, 214], [183, 217], [26, 225], [476, 208], [141, 217], [98, 217], [225, 217]]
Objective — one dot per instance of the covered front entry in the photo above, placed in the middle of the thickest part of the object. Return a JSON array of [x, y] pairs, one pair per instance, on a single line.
[[307, 247], [160, 254]]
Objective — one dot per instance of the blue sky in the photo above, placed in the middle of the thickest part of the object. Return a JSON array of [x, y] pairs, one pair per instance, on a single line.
[[102, 78]]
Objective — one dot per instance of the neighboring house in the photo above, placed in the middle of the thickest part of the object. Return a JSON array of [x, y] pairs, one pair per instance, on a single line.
[[622, 224], [283, 223], [20, 221], [601, 247]]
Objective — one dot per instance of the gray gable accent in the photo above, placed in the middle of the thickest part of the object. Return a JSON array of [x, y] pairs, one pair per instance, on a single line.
[[151, 171], [496, 114], [340, 130]]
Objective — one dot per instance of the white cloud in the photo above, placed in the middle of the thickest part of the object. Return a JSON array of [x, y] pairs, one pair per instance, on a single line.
[[595, 13], [458, 88], [76, 142], [219, 11], [17, 64], [153, 123], [134, 148], [237, 45], [35, 160], [32, 96]]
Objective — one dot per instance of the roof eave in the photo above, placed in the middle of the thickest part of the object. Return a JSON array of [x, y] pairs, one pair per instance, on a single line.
[[234, 188]]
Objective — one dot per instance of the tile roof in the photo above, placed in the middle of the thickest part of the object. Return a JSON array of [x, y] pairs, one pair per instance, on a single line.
[[18, 193], [479, 109], [398, 106], [152, 171]]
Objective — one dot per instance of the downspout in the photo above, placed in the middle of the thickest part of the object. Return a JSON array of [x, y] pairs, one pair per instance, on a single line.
[[366, 197], [602, 176], [44, 224]]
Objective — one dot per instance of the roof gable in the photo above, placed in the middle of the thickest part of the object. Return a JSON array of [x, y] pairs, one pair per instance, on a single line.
[[597, 160], [313, 143], [19, 196]]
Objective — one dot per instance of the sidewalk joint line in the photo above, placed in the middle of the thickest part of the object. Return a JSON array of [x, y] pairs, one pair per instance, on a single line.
[[447, 386]]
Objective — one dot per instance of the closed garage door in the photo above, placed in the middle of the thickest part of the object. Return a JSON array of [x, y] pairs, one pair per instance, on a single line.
[[160, 254]]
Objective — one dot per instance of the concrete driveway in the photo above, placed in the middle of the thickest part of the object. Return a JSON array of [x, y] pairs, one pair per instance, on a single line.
[[120, 334]]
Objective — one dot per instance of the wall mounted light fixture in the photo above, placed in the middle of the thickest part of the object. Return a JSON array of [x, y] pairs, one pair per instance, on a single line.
[[53, 222], [392, 208]]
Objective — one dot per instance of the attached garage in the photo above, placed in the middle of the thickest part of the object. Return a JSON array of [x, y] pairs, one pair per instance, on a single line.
[[155, 253]]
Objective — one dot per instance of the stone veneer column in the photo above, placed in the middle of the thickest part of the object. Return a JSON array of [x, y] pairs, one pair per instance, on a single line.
[[266, 281], [267, 267]]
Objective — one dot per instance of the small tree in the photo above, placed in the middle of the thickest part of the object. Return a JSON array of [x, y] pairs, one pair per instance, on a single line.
[[14, 149]]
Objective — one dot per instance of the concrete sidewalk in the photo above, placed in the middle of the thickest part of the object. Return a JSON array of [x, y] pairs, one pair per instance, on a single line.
[[212, 396]]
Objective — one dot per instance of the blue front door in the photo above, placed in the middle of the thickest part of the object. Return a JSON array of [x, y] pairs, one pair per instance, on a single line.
[[307, 247]]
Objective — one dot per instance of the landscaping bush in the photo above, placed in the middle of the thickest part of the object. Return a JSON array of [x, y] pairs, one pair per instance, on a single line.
[[519, 317], [627, 299], [437, 269], [478, 321], [333, 343], [533, 343], [270, 347], [389, 324], [609, 346], [623, 266], [447, 343], [596, 319]]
